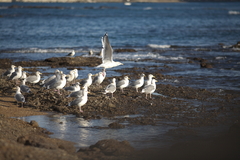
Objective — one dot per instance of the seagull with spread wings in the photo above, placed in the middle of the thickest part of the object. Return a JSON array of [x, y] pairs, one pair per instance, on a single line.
[[107, 54]]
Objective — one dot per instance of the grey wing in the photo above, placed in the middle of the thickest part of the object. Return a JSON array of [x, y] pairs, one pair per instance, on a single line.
[[107, 49], [13, 75], [51, 82], [136, 83], [95, 80], [76, 94], [83, 82], [6, 73], [49, 79], [54, 84], [76, 101], [71, 88], [25, 88], [148, 88], [111, 88], [20, 98], [31, 78], [120, 83]]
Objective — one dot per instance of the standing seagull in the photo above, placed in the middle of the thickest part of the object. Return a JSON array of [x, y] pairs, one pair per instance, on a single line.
[[139, 83], [149, 89], [19, 97], [9, 72], [149, 80], [75, 75], [17, 74], [71, 76], [98, 79], [58, 83], [34, 78], [87, 82], [71, 54], [123, 83], [111, 88], [107, 54], [80, 101]]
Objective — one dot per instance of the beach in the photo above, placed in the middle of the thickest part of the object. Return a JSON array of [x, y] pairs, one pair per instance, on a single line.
[[21, 139]]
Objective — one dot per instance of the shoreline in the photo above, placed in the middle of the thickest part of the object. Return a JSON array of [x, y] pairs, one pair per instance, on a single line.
[[22, 139]]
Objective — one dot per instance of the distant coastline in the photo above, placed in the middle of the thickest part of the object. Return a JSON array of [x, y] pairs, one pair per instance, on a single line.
[[112, 1]]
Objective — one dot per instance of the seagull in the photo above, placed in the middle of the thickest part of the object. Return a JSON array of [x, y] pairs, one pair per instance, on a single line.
[[91, 52], [87, 82], [24, 88], [73, 88], [75, 75], [107, 54], [98, 79], [111, 88], [53, 78], [149, 89], [45, 81], [9, 72], [123, 83], [17, 74], [149, 81], [58, 84], [18, 96], [139, 83], [80, 101], [34, 78], [71, 54], [71, 76]]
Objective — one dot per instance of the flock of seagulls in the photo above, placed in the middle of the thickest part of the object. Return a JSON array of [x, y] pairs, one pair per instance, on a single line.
[[59, 80]]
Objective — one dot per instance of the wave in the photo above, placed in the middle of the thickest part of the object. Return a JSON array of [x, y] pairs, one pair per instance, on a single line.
[[147, 8], [136, 56], [39, 50], [233, 12], [158, 46]]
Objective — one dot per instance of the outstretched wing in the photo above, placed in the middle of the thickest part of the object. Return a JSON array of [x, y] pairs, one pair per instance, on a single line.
[[106, 50]]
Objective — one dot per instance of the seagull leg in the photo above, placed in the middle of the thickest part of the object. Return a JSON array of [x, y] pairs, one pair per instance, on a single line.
[[122, 90], [137, 89], [80, 109], [112, 95]]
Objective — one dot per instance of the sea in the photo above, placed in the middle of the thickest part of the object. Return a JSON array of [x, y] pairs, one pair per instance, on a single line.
[[168, 33]]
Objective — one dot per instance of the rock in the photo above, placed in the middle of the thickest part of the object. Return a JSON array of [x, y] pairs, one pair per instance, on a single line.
[[125, 50], [113, 147], [236, 45], [116, 125], [34, 124]]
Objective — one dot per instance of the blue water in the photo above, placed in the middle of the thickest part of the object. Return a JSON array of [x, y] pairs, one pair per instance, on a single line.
[[167, 32], [184, 24]]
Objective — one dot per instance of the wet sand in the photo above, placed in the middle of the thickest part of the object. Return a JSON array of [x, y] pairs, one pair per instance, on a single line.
[[189, 107]]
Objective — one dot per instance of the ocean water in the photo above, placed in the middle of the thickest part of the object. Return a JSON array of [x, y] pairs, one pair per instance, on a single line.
[[169, 33]]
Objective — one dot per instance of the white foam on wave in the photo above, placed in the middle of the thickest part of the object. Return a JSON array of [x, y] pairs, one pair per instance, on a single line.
[[158, 46], [218, 58], [233, 12], [39, 50], [147, 8], [137, 56]]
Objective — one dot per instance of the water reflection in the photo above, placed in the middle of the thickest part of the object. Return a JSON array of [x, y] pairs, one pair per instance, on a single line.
[[85, 133]]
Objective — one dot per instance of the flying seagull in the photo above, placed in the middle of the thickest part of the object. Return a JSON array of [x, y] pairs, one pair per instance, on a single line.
[[107, 54]]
